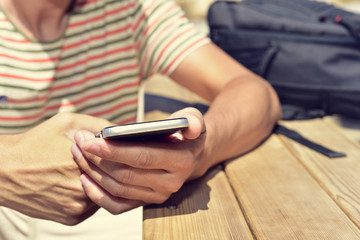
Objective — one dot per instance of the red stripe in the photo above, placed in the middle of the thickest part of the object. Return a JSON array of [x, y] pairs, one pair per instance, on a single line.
[[136, 25], [167, 46], [161, 16], [70, 84], [155, 22], [143, 16], [190, 46], [26, 78], [83, 3], [73, 65], [43, 98], [14, 40], [97, 95], [151, 5], [151, 45], [23, 117], [31, 60], [67, 47], [55, 107], [106, 14], [40, 114], [96, 76], [117, 107], [37, 99]]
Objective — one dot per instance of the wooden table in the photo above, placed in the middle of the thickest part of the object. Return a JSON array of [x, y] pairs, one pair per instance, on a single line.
[[281, 190]]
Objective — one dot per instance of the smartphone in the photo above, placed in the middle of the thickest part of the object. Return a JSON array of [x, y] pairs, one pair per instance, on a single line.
[[152, 130]]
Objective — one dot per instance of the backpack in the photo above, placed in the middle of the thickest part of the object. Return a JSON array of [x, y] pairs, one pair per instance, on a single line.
[[309, 51]]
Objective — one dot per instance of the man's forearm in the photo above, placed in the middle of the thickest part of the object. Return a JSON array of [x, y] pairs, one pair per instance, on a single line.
[[240, 117]]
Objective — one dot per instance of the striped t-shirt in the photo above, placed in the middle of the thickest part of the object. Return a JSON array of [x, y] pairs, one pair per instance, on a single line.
[[108, 48]]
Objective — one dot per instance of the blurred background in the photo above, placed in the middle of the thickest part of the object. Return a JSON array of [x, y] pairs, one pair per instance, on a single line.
[[196, 11]]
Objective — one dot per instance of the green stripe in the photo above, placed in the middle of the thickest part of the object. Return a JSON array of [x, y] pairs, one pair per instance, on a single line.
[[74, 35], [67, 95], [140, 29], [47, 116], [164, 21], [108, 23], [39, 107], [8, 30], [119, 60], [153, 13], [115, 21], [73, 74], [28, 126], [158, 45], [36, 51], [82, 31], [120, 96], [106, 45], [16, 67], [22, 88], [76, 12]]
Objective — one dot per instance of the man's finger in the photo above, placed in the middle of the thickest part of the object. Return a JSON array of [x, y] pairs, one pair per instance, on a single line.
[[114, 205]]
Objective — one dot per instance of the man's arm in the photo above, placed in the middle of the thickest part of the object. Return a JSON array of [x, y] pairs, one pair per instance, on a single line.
[[38, 175], [122, 175], [244, 107]]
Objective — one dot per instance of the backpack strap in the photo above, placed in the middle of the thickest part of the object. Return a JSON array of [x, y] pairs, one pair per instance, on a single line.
[[279, 129]]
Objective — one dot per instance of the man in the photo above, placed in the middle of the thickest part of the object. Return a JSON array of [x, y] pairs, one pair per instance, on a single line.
[[87, 58]]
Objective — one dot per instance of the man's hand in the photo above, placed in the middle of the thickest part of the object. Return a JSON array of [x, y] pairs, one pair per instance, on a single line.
[[243, 111], [123, 175], [38, 174]]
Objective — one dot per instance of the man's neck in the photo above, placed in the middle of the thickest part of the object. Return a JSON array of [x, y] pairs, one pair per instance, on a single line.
[[44, 20]]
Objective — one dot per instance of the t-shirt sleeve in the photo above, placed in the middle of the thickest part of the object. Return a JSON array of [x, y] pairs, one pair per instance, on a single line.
[[163, 36]]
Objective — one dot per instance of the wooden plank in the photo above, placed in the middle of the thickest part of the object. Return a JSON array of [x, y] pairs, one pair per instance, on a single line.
[[203, 209], [281, 200], [339, 177]]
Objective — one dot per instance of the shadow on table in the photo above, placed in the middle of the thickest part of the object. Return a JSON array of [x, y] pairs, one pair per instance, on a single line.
[[192, 197]]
